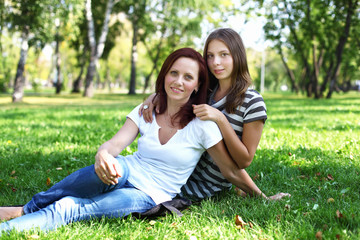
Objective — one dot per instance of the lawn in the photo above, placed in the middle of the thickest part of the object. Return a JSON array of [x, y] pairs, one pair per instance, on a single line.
[[309, 148]]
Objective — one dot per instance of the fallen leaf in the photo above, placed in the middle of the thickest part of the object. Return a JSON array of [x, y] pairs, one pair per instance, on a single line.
[[256, 176], [289, 153], [12, 172], [278, 217], [13, 189], [318, 235], [48, 181], [239, 222], [338, 236], [59, 168], [330, 177], [173, 224], [318, 174], [339, 214], [330, 200], [152, 222]]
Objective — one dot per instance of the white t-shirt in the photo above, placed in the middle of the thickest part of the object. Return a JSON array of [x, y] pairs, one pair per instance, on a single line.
[[160, 170]]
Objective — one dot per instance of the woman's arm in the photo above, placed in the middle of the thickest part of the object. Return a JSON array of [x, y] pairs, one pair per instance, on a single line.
[[243, 151], [106, 166], [237, 176]]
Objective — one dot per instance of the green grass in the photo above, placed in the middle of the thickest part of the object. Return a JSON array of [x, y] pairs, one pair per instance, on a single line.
[[309, 148]]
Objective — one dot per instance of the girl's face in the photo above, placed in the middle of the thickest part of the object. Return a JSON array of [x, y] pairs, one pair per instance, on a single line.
[[219, 60], [182, 79]]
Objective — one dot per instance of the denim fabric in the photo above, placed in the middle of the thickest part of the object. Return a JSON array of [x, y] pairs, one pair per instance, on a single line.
[[81, 196]]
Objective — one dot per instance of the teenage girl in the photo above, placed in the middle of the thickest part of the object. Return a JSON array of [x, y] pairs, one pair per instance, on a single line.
[[239, 112]]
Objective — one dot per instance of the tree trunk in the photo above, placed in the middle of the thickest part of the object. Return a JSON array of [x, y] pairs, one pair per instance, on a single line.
[[315, 78], [300, 48], [340, 47], [290, 73], [96, 50], [58, 61], [78, 83], [19, 82], [132, 86], [154, 59]]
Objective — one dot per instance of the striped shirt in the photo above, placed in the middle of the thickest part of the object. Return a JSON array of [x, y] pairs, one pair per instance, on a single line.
[[207, 180]]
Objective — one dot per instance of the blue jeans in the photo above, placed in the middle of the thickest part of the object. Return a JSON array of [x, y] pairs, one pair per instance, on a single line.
[[81, 196]]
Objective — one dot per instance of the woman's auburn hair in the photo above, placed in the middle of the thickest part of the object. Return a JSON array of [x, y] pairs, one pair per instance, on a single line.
[[186, 112], [240, 76]]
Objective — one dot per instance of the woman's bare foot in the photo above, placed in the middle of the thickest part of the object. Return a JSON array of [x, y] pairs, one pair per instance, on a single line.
[[7, 213]]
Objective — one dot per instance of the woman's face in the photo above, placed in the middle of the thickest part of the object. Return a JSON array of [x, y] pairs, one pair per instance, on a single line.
[[219, 60], [182, 79]]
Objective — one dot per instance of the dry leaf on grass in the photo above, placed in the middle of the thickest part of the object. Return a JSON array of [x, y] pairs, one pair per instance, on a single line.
[[330, 177], [318, 235], [48, 181], [339, 214]]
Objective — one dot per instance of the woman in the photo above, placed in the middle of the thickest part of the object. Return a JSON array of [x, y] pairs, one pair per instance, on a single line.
[[239, 112], [168, 151]]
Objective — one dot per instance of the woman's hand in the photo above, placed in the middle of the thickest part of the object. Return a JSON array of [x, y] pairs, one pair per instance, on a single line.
[[206, 112], [107, 167], [151, 103]]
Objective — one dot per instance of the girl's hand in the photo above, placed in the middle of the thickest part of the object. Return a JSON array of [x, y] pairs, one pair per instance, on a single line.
[[206, 112], [275, 197], [107, 167], [279, 196], [151, 103]]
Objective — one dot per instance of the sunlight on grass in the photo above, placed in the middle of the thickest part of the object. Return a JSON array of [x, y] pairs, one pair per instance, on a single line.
[[309, 148]]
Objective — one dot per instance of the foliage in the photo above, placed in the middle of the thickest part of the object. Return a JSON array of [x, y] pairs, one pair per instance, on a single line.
[[309, 149], [320, 36]]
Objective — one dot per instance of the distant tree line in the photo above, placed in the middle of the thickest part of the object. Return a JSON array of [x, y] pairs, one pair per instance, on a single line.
[[126, 41]]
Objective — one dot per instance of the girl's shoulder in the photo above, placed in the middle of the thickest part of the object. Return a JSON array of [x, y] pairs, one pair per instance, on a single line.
[[252, 93]]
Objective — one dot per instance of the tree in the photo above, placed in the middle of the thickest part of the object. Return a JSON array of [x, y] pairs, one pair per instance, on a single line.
[[315, 33], [34, 19], [96, 47], [165, 25], [28, 17]]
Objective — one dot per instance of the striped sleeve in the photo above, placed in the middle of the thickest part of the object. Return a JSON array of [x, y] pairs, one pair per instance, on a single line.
[[254, 107]]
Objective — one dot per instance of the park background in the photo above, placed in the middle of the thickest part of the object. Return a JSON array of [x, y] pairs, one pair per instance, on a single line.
[[68, 78]]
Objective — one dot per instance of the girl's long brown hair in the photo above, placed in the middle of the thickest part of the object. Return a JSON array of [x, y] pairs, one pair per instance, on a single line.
[[240, 76]]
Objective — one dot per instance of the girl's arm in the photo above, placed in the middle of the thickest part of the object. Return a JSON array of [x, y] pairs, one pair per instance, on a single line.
[[106, 166], [242, 152], [237, 176], [152, 103]]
